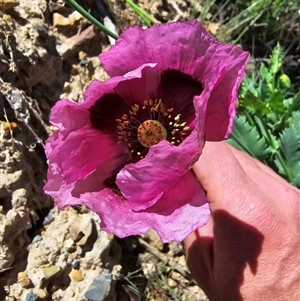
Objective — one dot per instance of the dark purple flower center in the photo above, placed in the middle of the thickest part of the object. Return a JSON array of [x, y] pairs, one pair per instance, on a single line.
[[167, 116], [149, 124]]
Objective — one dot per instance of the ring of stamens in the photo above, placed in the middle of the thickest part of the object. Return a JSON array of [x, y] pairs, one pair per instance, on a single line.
[[149, 124]]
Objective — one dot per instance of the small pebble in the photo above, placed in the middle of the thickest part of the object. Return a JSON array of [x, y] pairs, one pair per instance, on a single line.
[[22, 275], [23, 279], [48, 219], [50, 271], [69, 245], [75, 264], [76, 275], [99, 288], [82, 55], [81, 229], [41, 293], [39, 28], [172, 283], [37, 238], [110, 236], [83, 62], [30, 297]]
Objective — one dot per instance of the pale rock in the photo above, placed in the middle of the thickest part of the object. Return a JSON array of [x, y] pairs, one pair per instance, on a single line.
[[41, 293], [76, 275], [89, 260], [149, 269], [50, 271], [23, 279], [60, 20], [69, 245], [81, 229], [99, 288], [171, 283]]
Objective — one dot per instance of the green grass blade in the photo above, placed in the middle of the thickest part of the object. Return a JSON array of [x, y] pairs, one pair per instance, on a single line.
[[148, 19], [89, 17]]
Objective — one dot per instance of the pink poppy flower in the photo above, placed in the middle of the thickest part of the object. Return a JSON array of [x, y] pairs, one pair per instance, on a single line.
[[127, 151]]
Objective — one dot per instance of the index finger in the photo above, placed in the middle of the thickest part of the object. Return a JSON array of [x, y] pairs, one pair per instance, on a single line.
[[223, 178]]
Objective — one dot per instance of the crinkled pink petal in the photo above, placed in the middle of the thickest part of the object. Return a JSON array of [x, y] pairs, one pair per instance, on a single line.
[[141, 84], [68, 116], [163, 166], [221, 107], [82, 153], [63, 195], [176, 45], [185, 46], [135, 86], [181, 210]]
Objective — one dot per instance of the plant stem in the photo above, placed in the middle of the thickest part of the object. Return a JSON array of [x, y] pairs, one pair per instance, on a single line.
[[89, 17], [148, 19]]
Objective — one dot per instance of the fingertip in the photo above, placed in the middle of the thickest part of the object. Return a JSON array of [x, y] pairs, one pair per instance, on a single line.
[[221, 175]]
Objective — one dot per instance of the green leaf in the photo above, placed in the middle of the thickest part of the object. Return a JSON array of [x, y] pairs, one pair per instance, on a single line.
[[247, 139], [288, 162], [265, 73], [276, 102], [275, 61], [248, 86], [291, 105], [273, 144], [296, 123], [253, 104], [263, 90]]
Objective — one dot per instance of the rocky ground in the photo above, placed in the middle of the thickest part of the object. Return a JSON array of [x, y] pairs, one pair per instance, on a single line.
[[48, 52]]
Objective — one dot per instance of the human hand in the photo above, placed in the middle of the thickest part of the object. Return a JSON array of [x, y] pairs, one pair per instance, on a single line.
[[250, 248]]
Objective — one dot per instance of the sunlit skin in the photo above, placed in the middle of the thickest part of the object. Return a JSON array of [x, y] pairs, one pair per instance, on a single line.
[[250, 249]]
